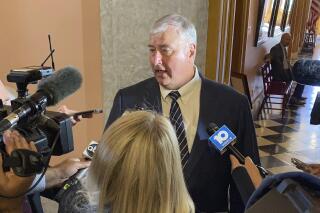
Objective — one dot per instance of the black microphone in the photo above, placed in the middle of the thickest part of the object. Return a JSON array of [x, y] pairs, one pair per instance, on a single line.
[[74, 179], [223, 138], [50, 91]]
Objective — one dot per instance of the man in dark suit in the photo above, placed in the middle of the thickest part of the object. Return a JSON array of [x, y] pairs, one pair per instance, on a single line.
[[281, 68], [172, 51]]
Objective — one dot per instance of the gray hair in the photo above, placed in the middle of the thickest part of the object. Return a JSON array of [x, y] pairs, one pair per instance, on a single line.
[[183, 25]]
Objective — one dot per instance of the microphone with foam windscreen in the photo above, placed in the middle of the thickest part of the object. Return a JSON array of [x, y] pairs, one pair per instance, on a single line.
[[50, 91], [223, 139]]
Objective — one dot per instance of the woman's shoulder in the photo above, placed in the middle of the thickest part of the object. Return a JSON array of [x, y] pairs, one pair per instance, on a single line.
[[76, 200]]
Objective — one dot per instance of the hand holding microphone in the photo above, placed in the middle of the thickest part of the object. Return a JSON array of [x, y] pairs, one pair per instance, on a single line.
[[250, 167], [74, 179], [223, 139]]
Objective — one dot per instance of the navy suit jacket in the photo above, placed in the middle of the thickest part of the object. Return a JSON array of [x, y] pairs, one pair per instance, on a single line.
[[278, 72], [207, 173]]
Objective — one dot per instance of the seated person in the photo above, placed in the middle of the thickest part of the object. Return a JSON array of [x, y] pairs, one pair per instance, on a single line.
[[136, 168], [281, 68]]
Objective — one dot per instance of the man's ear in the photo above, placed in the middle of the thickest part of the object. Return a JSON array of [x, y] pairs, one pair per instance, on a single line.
[[192, 51]]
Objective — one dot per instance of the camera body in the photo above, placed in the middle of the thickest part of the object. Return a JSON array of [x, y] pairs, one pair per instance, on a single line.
[[41, 126]]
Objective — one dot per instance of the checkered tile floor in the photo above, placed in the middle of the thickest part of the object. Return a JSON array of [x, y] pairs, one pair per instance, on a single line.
[[293, 136]]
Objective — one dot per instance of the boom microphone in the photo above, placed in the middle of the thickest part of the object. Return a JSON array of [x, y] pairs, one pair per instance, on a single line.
[[223, 138], [61, 84], [50, 91]]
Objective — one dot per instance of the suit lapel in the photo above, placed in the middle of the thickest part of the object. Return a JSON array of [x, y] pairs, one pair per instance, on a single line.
[[280, 52], [151, 99], [200, 144]]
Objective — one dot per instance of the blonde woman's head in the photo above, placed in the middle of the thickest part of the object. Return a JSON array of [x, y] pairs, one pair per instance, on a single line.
[[137, 166]]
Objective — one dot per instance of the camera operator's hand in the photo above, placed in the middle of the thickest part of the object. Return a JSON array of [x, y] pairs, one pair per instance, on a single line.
[[66, 110], [10, 184], [56, 175], [250, 167], [13, 140]]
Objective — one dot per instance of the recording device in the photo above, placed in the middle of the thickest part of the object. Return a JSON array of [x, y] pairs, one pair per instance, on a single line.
[[87, 113], [24, 76], [90, 150], [30, 74], [223, 139], [50, 131], [74, 180]]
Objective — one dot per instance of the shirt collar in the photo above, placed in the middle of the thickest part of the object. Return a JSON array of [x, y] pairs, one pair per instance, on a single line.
[[282, 46], [185, 89]]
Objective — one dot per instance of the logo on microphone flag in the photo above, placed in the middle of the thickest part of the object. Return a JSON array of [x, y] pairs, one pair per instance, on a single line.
[[222, 138]]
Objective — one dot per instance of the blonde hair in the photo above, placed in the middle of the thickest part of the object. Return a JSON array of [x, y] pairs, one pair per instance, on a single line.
[[137, 167]]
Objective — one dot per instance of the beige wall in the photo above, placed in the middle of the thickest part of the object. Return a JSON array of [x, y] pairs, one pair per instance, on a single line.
[[125, 29], [75, 30]]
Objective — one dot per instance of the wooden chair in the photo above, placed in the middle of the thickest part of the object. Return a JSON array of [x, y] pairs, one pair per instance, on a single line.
[[274, 90]]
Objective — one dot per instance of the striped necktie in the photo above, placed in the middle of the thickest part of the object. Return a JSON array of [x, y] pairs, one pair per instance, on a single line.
[[177, 122], [286, 63]]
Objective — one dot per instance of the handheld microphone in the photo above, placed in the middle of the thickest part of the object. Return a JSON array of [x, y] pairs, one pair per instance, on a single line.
[[223, 139], [50, 91], [90, 150], [74, 179]]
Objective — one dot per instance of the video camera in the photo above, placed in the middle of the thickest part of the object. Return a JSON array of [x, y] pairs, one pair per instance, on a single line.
[[50, 131]]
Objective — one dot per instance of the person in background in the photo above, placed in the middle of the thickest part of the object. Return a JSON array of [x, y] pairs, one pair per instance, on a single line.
[[141, 172], [179, 91], [281, 68]]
